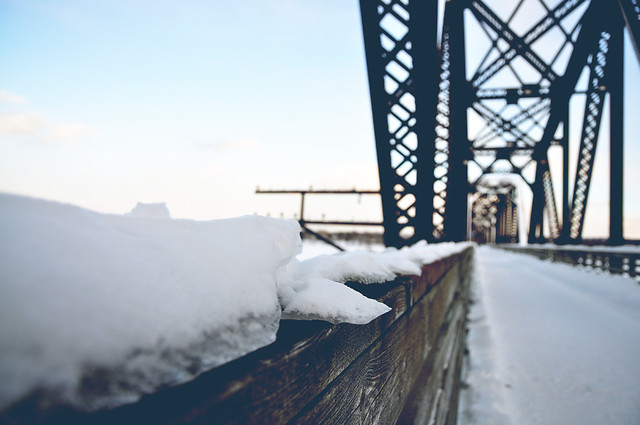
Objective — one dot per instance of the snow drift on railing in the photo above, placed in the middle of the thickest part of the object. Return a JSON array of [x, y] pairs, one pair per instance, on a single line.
[[98, 309]]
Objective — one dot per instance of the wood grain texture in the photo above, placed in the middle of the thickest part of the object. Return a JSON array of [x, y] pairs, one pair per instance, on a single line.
[[316, 372], [378, 384]]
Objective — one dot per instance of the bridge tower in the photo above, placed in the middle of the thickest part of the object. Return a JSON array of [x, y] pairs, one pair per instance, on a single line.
[[462, 90]]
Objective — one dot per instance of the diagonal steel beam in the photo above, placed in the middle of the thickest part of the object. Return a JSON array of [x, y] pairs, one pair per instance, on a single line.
[[552, 19], [502, 125], [594, 105], [518, 45], [550, 203], [561, 91], [540, 107]]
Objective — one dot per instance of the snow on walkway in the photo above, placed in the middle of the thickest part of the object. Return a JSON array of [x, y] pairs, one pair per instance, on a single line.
[[551, 344]]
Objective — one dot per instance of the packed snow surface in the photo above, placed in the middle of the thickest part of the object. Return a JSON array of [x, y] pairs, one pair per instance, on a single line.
[[551, 344], [98, 309]]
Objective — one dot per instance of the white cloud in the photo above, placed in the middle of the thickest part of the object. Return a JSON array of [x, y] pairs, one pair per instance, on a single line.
[[66, 133], [22, 123], [35, 125], [11, 98]]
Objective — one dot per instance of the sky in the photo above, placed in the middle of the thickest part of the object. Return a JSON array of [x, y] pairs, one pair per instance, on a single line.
[[105, 104]]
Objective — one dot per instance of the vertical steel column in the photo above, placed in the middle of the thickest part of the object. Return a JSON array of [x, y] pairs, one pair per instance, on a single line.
[[615, 85], [400, 45], [561, 91], [536, 223], [426, 62], [375, 57], [459, 146]]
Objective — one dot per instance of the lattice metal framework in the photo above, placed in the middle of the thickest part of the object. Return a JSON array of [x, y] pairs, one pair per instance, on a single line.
[[445, 121], [592, 113], [391, 41], [494, 214]]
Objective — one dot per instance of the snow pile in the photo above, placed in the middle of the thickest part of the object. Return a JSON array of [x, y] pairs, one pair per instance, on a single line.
[[315, 289], [98, 309], [137, 302]]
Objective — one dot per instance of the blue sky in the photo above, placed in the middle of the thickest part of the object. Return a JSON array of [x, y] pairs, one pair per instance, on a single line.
[[156, 101], [107, 103]]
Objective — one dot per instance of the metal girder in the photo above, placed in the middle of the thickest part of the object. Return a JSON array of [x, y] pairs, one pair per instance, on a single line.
[[518, 47], [543, 201], [554, 92], [588, 141], [534, 91], [561, 91], [484, 210], [544, 25], [402, 61], [494, 214], [442, 145], [501, 125], [498, 125], [455, 185], [552, 19], [518, 98], [550, 204]]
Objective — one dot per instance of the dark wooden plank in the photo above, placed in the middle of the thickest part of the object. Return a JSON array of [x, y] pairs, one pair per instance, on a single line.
[[375, 387], [428, 393], [267, 386]]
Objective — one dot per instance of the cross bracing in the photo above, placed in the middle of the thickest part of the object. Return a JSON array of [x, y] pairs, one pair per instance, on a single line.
[[492, 97]]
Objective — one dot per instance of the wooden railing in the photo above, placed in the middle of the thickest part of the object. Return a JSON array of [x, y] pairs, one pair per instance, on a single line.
[[403, 367]]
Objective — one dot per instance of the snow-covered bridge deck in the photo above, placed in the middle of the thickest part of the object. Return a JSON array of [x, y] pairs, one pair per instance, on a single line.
[[551, 344]]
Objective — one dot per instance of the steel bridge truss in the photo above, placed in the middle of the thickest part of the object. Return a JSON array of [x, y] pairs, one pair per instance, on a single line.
[[450, 111], [494, 214]]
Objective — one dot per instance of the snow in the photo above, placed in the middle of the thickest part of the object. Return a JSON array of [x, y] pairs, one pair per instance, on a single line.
[[144, 299], [99, 309], [551, 344], [315, 290], [313, 247]]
